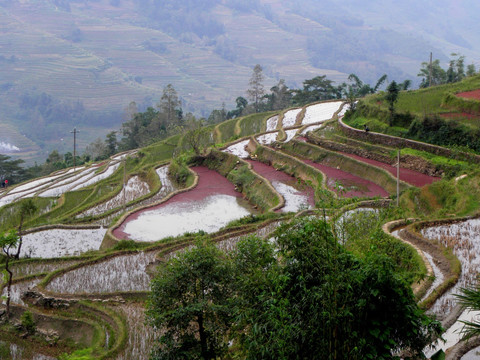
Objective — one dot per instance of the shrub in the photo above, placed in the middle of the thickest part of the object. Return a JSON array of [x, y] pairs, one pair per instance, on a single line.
[[28, 322], [126, 245], [179, 171]]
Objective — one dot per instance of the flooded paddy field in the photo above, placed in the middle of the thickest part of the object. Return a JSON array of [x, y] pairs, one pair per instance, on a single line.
[[297, 196], [212, 204]]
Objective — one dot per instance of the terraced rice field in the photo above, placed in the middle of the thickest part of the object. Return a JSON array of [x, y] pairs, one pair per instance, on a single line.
[[17, 352], [238, 149], [290, 134], [133, 189], [202, 208], [411, 177], [464, 239], [321, 112], [118, 274], [18, 289], [290, 117], [167, 187], [346, 184], [474, 94], [272, 123], [267, 139], [296, 197], [31, 268], [61, 242], [141, 336]]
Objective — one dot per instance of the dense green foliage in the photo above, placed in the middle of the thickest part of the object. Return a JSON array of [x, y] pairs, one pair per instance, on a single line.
[[436, 130], [190, 300], [11, 170], [305, 296], [469, 298]]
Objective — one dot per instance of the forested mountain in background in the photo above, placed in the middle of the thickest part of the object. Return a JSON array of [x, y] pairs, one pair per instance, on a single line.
[[66, 63]]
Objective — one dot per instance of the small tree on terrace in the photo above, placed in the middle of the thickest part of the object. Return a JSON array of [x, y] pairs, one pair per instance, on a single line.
[[8, 243], [392, 97], [197, 136], [256, 91], [27, 208], [190, 304]]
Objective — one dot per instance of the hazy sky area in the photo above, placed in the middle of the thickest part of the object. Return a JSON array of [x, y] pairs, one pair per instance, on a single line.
[[81, 62]]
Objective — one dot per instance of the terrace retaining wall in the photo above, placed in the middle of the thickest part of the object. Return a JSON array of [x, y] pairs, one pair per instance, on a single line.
[[397, 142], [408, 161], [366, 171]]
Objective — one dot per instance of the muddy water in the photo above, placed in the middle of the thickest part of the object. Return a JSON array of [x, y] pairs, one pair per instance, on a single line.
[[121, 273], [464, 239], [411, 177], [18, 352], [141, 337], [55, 243], [296, 196], [18, 289], [209, 206]]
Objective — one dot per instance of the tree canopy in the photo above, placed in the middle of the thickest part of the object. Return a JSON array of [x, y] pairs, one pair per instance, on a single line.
[[302, 296]]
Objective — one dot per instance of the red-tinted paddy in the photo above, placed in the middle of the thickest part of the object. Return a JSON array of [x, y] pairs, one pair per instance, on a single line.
[[209, 206], [411, 177], [295, 196], [474, 94], [346, 184]]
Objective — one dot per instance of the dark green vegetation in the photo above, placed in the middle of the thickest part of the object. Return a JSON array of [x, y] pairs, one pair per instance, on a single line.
[[434, 115], [306, 296]]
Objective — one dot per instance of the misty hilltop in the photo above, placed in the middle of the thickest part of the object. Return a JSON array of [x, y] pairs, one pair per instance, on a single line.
[[67, 63]]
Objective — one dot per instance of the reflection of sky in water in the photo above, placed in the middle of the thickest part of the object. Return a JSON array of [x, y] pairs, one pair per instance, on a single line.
[[272, 123], [56, 243], [464, 239], [267, 139], [294, 199], [290, 117], [290, 134], [209, 215], [238, 149]]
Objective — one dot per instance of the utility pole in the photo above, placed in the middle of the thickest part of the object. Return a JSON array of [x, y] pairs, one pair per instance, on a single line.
[[124, 180], [398, 177], [75, 131], [430, 71]]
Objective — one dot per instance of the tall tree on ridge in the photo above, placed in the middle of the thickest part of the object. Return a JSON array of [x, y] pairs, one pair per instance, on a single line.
[[169, 103], [256, 91], [392, 97]]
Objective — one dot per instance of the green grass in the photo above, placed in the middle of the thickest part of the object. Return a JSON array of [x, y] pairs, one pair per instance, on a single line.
[[443, 199], [450, 166], [376, 125], [226, 131], [253, 124], [425, 101]]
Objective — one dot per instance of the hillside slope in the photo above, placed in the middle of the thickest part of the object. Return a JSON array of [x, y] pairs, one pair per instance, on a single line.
[[87, 60]]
